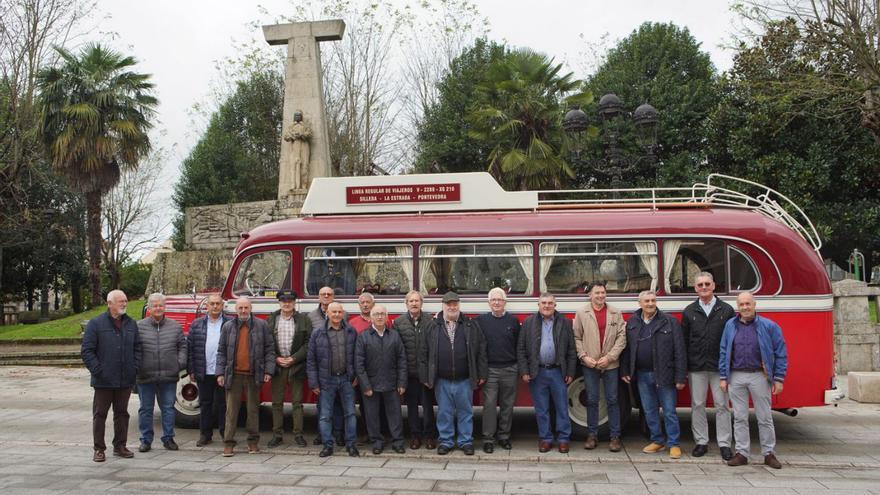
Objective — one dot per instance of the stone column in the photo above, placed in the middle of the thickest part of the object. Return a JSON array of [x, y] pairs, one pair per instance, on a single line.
[[856, 338], [303, 91]]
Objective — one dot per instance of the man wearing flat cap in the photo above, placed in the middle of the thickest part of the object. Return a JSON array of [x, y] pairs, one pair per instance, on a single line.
[[453, 362], [291, 331]]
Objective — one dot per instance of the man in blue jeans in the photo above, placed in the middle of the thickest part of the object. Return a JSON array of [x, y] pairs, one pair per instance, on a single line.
[[654, 340], [162, 356], [600, 337], [330, 368], [453, 363], [547, 362]]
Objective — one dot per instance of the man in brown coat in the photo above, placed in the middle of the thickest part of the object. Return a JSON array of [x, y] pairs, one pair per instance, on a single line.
[[600, 337]]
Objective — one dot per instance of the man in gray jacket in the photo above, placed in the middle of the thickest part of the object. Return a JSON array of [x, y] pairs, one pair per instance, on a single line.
[[162, 356], [246, 356]]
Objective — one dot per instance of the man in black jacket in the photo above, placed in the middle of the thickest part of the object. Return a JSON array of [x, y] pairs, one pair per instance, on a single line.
[[246, 356], [110, 351], [547, 361], [655, 356], [380, 364], [453, 363], [291, 331], [412, 327], [201, 346], [702, 324], [162, 356]]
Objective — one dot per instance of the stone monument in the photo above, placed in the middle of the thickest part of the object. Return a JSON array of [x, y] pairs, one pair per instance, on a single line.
[[213, 231]]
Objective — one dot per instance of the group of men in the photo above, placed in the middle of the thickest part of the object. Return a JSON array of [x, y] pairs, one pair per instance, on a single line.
[[440, 358]]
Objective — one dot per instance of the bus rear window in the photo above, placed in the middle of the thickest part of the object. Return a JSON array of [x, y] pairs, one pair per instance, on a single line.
[[263, 274], [627, 267], [684, 259], [476, 268], [351, 270]]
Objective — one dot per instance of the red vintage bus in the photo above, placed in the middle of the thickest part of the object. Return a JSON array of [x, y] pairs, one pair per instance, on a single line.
[[463, 232]]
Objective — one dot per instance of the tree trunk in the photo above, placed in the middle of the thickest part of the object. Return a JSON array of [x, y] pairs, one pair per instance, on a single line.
[[44, 302], [76, 294], [93, 234], [114, 275]]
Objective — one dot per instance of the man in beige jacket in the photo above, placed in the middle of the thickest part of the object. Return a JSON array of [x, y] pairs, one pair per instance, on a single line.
[[600, 336]]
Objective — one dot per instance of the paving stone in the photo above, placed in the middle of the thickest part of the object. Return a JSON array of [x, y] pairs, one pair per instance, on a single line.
[[825, 491], [369, 472], [416, 463], [149, 486], [193, 466], [483, 465], [282, 490], [688, 480], [204, 477], [781, 481], [218, 489], [235, 467], [15, 481], [850, 484], [560, 477], [517, 475], [735, 490], [340, 460], [32, 469], [315, 470], [354, 491], [441, 474], [538, 488], [265, 479], [400, 484], [332, 481], [141, 474], [470, 486], [597, 489]]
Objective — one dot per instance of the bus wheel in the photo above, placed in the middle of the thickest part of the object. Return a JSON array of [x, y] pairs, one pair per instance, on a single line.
[[186, 407], [577, 408]]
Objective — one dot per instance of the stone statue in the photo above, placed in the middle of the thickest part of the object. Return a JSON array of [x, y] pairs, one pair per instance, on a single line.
[[299, 134]]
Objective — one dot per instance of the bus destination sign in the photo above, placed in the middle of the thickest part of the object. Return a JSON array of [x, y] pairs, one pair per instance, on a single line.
[[405, 193]]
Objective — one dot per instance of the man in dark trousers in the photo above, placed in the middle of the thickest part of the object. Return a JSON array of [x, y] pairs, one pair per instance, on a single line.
[[548, 363], [202, 344], [110, 351], [380, 364], [453, 363], [412, 328], [501, 330], [246, 356], [702, 324], [655, 356], [330, 368], [291, 331]]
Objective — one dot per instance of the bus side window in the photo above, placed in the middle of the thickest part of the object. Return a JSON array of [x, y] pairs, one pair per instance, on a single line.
[[351, 270], [627, 267], [263, 274], [683, 259], [476, 268]]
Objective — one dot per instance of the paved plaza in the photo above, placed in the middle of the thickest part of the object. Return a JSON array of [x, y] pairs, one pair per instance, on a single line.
[[45, 447]]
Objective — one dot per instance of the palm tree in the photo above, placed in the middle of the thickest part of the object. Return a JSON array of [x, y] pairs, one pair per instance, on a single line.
[[519, 118], [95, 116]]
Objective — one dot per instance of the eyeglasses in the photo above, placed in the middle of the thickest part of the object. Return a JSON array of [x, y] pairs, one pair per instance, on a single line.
[[705, 284]]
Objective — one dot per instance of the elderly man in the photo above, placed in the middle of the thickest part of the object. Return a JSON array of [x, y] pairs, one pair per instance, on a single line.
[[656, 357], [318, 316], [600, 337], [291, 332], [702, 324], [330, 367], [548, 362], [361, 322], [110, 352], [162, 356], [412, 327], [380, 364], [246, 356], [453, 363], [501, 331], [203, 342], [753, 362]]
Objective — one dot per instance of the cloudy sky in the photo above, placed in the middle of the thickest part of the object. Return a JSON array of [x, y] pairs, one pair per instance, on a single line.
[[180, 41]]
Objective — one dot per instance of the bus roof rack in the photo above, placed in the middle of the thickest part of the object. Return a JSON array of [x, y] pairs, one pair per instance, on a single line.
[[479, 191]]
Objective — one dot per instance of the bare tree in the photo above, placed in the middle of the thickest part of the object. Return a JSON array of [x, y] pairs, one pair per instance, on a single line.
[[847, 30], [132, 221]]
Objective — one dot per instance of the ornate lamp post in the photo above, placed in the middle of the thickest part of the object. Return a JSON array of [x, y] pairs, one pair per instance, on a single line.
[[612, 119]]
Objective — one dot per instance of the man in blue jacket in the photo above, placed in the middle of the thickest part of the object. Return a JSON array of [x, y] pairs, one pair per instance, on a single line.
[[110, 351], [202, 345], [753, 362]]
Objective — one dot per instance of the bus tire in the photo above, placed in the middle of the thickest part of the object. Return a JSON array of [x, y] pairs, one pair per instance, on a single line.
[[577, 408], [186, 404]]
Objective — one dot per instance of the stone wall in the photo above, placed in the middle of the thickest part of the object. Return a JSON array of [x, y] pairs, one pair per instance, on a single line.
[[856, 338], [220, 226], [178, 272]]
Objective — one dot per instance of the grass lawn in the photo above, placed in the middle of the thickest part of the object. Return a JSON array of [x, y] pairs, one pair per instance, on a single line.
[[63, 328]]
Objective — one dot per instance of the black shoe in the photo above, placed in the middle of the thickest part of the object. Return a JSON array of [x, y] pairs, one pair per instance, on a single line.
[[399, 449], [377, 450], [488, 447], [700, 450], [203, 440], [468, 449], [145, 447], [317, 441], [326, 452], [276, 441], [169, 444], [505, 444], [353, 452], [299, 440], [443, 450], [726, 453]]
